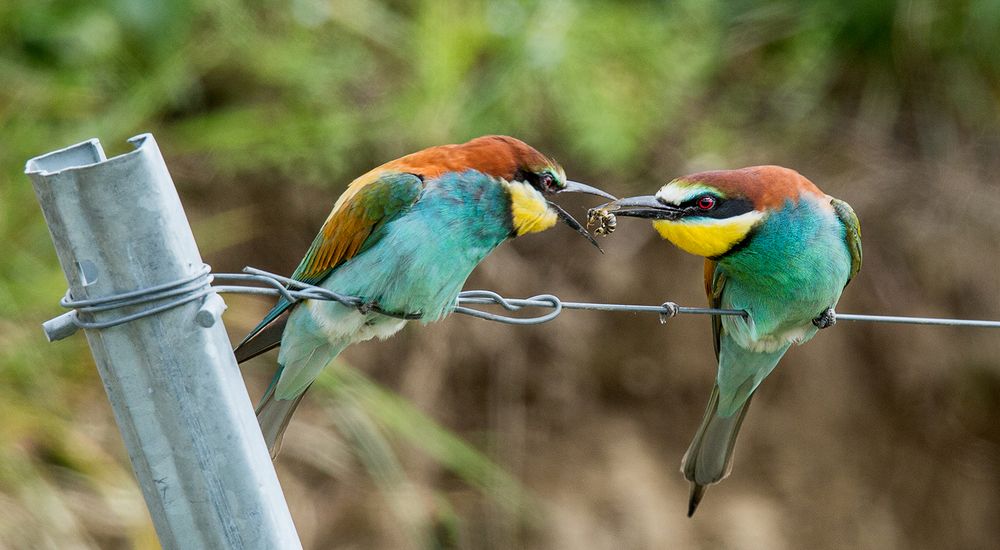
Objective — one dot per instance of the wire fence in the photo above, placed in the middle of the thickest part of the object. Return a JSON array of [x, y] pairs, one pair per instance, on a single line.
[[145, 302], [665, 311]]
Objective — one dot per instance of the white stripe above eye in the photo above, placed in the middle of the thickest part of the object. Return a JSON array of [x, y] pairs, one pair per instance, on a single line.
[[674, 193]]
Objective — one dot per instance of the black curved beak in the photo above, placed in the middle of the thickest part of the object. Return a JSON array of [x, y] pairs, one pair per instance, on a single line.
[[645, 206], [577, 187]]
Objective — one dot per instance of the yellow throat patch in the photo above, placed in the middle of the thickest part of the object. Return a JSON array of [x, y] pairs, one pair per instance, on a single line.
[[529, 210], [707, 237]]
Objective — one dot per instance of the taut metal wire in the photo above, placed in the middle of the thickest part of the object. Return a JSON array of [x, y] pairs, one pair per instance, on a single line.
[[468, 298], [164, 297]]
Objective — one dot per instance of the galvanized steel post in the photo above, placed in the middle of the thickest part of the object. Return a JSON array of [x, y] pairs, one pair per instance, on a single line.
[[174, 385]]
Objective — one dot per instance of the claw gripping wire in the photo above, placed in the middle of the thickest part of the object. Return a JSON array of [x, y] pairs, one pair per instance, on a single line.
[[670, 310]]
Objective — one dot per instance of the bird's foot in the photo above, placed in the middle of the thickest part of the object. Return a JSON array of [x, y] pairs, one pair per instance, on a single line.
[[367, 307], [826, 319], [670, 310]]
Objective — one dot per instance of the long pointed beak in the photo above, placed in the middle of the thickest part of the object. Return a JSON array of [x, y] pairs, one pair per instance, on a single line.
[[574, 225], [577, 187], [645, 206]]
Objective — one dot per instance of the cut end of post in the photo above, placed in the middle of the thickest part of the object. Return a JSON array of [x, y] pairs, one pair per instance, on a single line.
[[82, 154]]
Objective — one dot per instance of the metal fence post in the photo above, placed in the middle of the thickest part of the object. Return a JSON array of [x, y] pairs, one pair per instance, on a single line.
[[173, 383]]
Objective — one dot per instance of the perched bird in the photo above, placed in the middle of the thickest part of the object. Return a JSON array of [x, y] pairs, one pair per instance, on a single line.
[[404, 238], [776, 247]]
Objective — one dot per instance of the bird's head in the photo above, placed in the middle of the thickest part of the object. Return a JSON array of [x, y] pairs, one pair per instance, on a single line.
[[712, 213], [530, 179]]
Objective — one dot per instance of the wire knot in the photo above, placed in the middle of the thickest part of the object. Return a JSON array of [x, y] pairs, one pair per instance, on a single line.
[[490, 297]]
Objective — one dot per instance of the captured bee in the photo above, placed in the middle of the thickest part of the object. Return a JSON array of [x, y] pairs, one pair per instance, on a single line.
[[604, 221]]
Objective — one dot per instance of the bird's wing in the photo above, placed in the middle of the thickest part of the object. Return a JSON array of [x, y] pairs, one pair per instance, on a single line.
[[715, 281], [352, 221], [368, 203], [852, 228]]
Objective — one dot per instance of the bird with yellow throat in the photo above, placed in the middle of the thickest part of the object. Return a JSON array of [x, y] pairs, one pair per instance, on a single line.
[[775, 247], [403, 238]]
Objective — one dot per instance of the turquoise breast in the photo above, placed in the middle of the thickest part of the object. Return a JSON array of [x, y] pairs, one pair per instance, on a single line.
[[795, 266]]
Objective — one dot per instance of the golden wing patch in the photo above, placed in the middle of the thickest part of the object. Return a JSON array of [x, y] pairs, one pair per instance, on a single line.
[[364, 207]]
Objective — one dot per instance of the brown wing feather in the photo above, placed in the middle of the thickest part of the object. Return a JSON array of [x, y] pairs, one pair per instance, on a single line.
[[352, 221], [368, 202], [379, 195]]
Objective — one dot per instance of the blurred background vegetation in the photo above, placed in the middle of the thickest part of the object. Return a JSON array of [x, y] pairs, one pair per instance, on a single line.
[[569, 435]]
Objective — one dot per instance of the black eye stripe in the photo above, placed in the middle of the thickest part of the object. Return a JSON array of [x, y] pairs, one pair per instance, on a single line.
[[694, 202], [724, 208], [544, 181]]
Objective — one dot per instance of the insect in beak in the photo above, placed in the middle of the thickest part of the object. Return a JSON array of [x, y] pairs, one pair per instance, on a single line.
[[645, 206]]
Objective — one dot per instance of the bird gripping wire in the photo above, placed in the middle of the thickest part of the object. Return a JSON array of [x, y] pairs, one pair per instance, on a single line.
[[164, 297]]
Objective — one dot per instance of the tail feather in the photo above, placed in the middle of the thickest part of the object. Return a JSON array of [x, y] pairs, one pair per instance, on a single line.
[[273, 415], [261, 340], [697, 491], [709, 459]]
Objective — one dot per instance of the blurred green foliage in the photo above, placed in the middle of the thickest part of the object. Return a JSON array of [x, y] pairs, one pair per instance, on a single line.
[[292, 95]]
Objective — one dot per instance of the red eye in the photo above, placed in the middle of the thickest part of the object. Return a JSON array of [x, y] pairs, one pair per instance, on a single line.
[[546, 181], [706, 203]]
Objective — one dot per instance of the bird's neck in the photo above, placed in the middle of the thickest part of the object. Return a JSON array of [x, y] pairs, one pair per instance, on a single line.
[[470, 210], [529, 211], [786, 247]]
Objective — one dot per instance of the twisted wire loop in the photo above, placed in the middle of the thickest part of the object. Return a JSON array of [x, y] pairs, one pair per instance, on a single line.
[[490, 297], [199, 285], [294, 291], [178, 293]]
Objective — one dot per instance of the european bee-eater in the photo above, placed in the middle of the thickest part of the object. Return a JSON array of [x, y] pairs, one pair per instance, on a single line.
[[404, 238], [776, 247]]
